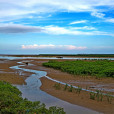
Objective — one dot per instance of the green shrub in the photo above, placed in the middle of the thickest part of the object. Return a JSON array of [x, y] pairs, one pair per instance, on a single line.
[[97, 68], [11, 102]]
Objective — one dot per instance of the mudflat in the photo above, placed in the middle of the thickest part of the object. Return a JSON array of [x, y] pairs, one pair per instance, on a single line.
[[10, 75], [82, 99]]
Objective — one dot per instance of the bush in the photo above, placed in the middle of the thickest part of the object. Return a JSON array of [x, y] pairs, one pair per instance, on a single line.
[[11, 102], [98, 68]]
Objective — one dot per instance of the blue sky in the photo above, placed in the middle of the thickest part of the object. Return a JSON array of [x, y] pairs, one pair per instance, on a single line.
[[56, 27]]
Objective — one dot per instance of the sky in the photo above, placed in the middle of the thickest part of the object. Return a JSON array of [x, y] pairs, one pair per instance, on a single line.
[[56, 26]]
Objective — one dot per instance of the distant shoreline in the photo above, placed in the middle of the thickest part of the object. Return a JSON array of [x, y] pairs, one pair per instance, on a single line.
[[62, 55]]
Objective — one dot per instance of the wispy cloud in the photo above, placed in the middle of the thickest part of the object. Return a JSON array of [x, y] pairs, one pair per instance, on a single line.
[[83, 28], [111, 20], [51, 46], [55, 30], [70, 31], [77, 22], [16, 8], [98, 14]]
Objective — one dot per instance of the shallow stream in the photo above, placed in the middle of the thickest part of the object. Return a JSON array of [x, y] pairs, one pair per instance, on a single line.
[[32, 92]]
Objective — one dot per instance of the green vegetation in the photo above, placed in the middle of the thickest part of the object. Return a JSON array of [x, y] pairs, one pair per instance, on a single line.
[[98, 68], [99, 96], [78, 90], [109, 98], [11, 102], [79, 55], [66, 86], [92, 95], [70, 89], [57, 86]]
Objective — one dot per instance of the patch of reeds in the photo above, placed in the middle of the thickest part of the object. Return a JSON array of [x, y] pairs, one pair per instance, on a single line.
[[57, 86], [66, 87], [98, 95], [71, 88], [92, 95], [78, 90], [109, 98]]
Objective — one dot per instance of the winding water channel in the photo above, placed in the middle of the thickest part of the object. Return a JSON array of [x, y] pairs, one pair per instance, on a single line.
[[32, 92]]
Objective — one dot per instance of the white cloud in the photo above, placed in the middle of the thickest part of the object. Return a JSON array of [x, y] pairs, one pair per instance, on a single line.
[[55, 30], [35, 46], [83, 28], [77, 22], [16, 8], [39, 17], [111, 20], [49, 15], [98, 14], [70, 31], [51, 46]]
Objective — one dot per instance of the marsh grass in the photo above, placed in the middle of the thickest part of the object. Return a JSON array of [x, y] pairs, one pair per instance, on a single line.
[[101, 96], [57, 86], [92, 95], [109, 98], [66, 87], [98, 95], [71, 88], [78, 90]]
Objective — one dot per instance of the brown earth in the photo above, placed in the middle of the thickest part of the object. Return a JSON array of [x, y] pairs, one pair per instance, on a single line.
[[87, 82], [9, 75], [81, 99]]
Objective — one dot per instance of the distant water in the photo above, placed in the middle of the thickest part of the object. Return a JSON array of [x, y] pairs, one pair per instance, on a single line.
[[75, 58]]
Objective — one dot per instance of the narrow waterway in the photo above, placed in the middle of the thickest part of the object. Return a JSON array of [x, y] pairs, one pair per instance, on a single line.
[[32, 92]]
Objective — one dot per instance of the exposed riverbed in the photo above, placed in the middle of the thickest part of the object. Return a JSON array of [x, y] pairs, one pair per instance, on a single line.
[[32, 92]]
